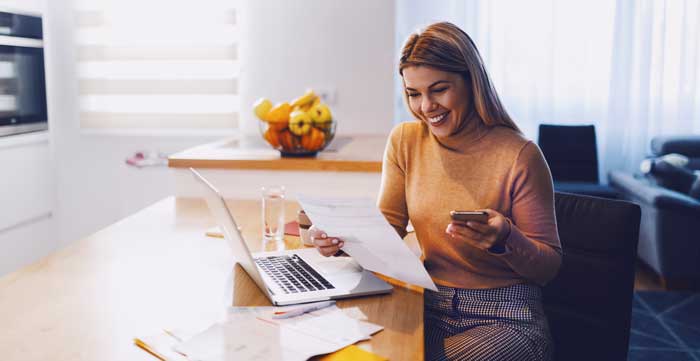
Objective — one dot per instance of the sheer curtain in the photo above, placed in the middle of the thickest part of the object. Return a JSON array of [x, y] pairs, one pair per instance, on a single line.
[[628, 67]]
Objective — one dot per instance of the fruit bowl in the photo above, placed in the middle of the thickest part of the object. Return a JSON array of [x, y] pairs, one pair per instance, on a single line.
[[301, 143], [299, 128]]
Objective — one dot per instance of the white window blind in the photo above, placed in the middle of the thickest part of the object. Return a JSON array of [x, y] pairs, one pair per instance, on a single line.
[[157, 63]]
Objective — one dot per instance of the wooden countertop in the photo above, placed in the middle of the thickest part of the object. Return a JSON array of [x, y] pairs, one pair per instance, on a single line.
[[359, 153], [155, 270]]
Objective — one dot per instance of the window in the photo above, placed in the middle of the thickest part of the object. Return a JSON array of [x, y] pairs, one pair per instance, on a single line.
[[157, 64], [630, 67]]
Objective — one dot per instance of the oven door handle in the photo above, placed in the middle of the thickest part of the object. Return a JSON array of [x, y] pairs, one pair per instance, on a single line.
[[19, 41]]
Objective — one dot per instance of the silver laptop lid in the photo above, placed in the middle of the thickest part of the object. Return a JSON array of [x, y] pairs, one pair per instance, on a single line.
[[233, 236]]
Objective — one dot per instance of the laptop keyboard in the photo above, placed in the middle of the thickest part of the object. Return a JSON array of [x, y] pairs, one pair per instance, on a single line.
[[292, 274]]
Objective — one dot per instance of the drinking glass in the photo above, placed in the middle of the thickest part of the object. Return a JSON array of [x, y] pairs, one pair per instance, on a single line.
[[273, 214]]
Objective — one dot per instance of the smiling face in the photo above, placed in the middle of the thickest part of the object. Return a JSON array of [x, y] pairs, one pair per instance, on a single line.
[[440, 99]]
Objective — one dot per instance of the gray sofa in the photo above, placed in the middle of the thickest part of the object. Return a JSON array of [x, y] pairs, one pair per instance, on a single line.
[[669, 237]]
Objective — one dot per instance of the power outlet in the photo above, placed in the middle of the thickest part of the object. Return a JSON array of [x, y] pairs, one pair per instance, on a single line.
[[327, 94]]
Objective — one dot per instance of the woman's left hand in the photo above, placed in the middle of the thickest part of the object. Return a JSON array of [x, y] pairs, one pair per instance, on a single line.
[[481, 235]]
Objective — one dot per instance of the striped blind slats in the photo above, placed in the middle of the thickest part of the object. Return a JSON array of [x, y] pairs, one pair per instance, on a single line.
[[158, 86], [157, 64], [93, 17], [112, 53], [162, 120]]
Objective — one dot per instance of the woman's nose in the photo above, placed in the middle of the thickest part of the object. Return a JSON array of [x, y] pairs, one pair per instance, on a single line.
[[427, 105]]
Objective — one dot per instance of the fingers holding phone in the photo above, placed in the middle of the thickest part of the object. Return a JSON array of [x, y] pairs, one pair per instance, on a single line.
[[483, 229]]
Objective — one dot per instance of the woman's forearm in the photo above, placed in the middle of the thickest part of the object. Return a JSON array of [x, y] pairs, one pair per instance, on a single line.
[[532, 259]]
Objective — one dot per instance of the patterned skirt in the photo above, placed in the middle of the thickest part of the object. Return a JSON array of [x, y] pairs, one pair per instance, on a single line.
[[486, 324]]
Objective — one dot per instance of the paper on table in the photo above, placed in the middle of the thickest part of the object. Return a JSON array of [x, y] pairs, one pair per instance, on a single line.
[[250, 334], [326, 320], [331, 323], [162, 345], [368, 237]]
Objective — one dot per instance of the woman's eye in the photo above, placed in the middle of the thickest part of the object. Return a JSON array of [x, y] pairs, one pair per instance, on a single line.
[[439, 90], [411, 95]]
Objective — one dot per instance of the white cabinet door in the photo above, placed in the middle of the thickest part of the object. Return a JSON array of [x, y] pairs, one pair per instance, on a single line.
[[24, 245], [26, 191]]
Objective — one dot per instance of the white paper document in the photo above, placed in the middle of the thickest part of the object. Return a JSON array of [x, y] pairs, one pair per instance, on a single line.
[[250, 333], [368, 237]]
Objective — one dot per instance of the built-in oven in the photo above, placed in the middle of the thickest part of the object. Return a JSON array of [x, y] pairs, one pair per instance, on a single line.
[[22, 78]]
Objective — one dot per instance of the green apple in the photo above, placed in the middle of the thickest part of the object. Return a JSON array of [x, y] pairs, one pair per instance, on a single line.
[[321, 115]]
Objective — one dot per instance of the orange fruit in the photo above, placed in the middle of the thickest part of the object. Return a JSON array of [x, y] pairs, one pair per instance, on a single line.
[[272, 137]]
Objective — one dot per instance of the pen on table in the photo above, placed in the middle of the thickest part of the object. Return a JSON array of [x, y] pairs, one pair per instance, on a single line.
[[148, 349], [302, 310]]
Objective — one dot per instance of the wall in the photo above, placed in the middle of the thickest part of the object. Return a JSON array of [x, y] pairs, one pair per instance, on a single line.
[[344, 45], [31, 6]]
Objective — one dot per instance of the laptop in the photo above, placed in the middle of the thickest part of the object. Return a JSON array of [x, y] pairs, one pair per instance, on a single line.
[[289, 277]]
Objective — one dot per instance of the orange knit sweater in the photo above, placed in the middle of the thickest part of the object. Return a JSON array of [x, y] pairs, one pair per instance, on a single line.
[[424, 177]]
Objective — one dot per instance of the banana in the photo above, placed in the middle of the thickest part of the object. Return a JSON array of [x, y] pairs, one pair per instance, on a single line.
[[305, 99], [261, 108], [316, 102]]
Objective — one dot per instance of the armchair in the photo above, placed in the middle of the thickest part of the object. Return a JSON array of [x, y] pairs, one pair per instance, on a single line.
[[669, 238]]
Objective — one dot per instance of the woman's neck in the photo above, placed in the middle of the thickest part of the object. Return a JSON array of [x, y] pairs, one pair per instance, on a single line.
[[472, 130]]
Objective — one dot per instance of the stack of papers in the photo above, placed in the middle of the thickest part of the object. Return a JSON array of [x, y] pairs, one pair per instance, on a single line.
[[252, 333]]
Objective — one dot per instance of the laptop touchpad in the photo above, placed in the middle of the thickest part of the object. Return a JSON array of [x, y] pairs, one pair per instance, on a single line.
[[333, 266]]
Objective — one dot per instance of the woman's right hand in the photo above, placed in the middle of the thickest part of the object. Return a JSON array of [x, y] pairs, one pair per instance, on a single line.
[[327, 246]]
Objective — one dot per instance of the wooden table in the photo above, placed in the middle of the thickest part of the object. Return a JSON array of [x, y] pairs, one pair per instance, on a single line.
[[155, 270], [359, 153]]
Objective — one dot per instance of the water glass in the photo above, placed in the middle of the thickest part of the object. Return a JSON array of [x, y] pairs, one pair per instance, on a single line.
[[273, 213]]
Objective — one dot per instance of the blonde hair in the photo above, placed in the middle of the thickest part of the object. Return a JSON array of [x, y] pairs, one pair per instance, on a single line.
[[446, 47]]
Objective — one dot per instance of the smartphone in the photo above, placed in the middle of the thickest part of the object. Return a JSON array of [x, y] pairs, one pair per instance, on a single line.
[[466, 216]]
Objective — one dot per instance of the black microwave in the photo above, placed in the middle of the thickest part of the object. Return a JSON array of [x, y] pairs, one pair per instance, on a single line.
[[22, 79]]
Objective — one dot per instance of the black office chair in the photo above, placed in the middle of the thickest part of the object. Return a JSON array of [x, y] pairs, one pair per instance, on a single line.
[[572, 155], [589, 303]]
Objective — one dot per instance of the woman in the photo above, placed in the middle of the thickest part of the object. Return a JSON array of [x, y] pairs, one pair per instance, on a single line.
[[465, 153]]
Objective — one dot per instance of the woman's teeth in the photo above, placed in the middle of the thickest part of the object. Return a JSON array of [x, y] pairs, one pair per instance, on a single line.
[[437, 119]]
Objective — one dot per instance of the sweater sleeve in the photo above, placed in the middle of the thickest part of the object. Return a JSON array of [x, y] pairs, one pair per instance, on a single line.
[[392, 192], [533, 249]]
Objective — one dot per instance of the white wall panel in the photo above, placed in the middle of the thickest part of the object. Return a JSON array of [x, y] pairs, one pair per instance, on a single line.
[[26, 244], [26, 183], [23, 6]]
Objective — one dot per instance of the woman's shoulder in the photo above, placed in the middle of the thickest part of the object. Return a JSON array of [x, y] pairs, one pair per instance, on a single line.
[[406, 131], [519, 148], [509, 139]]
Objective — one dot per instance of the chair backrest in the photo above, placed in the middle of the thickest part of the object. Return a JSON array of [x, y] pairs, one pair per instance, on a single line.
[[589, 303], [570, 151]]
